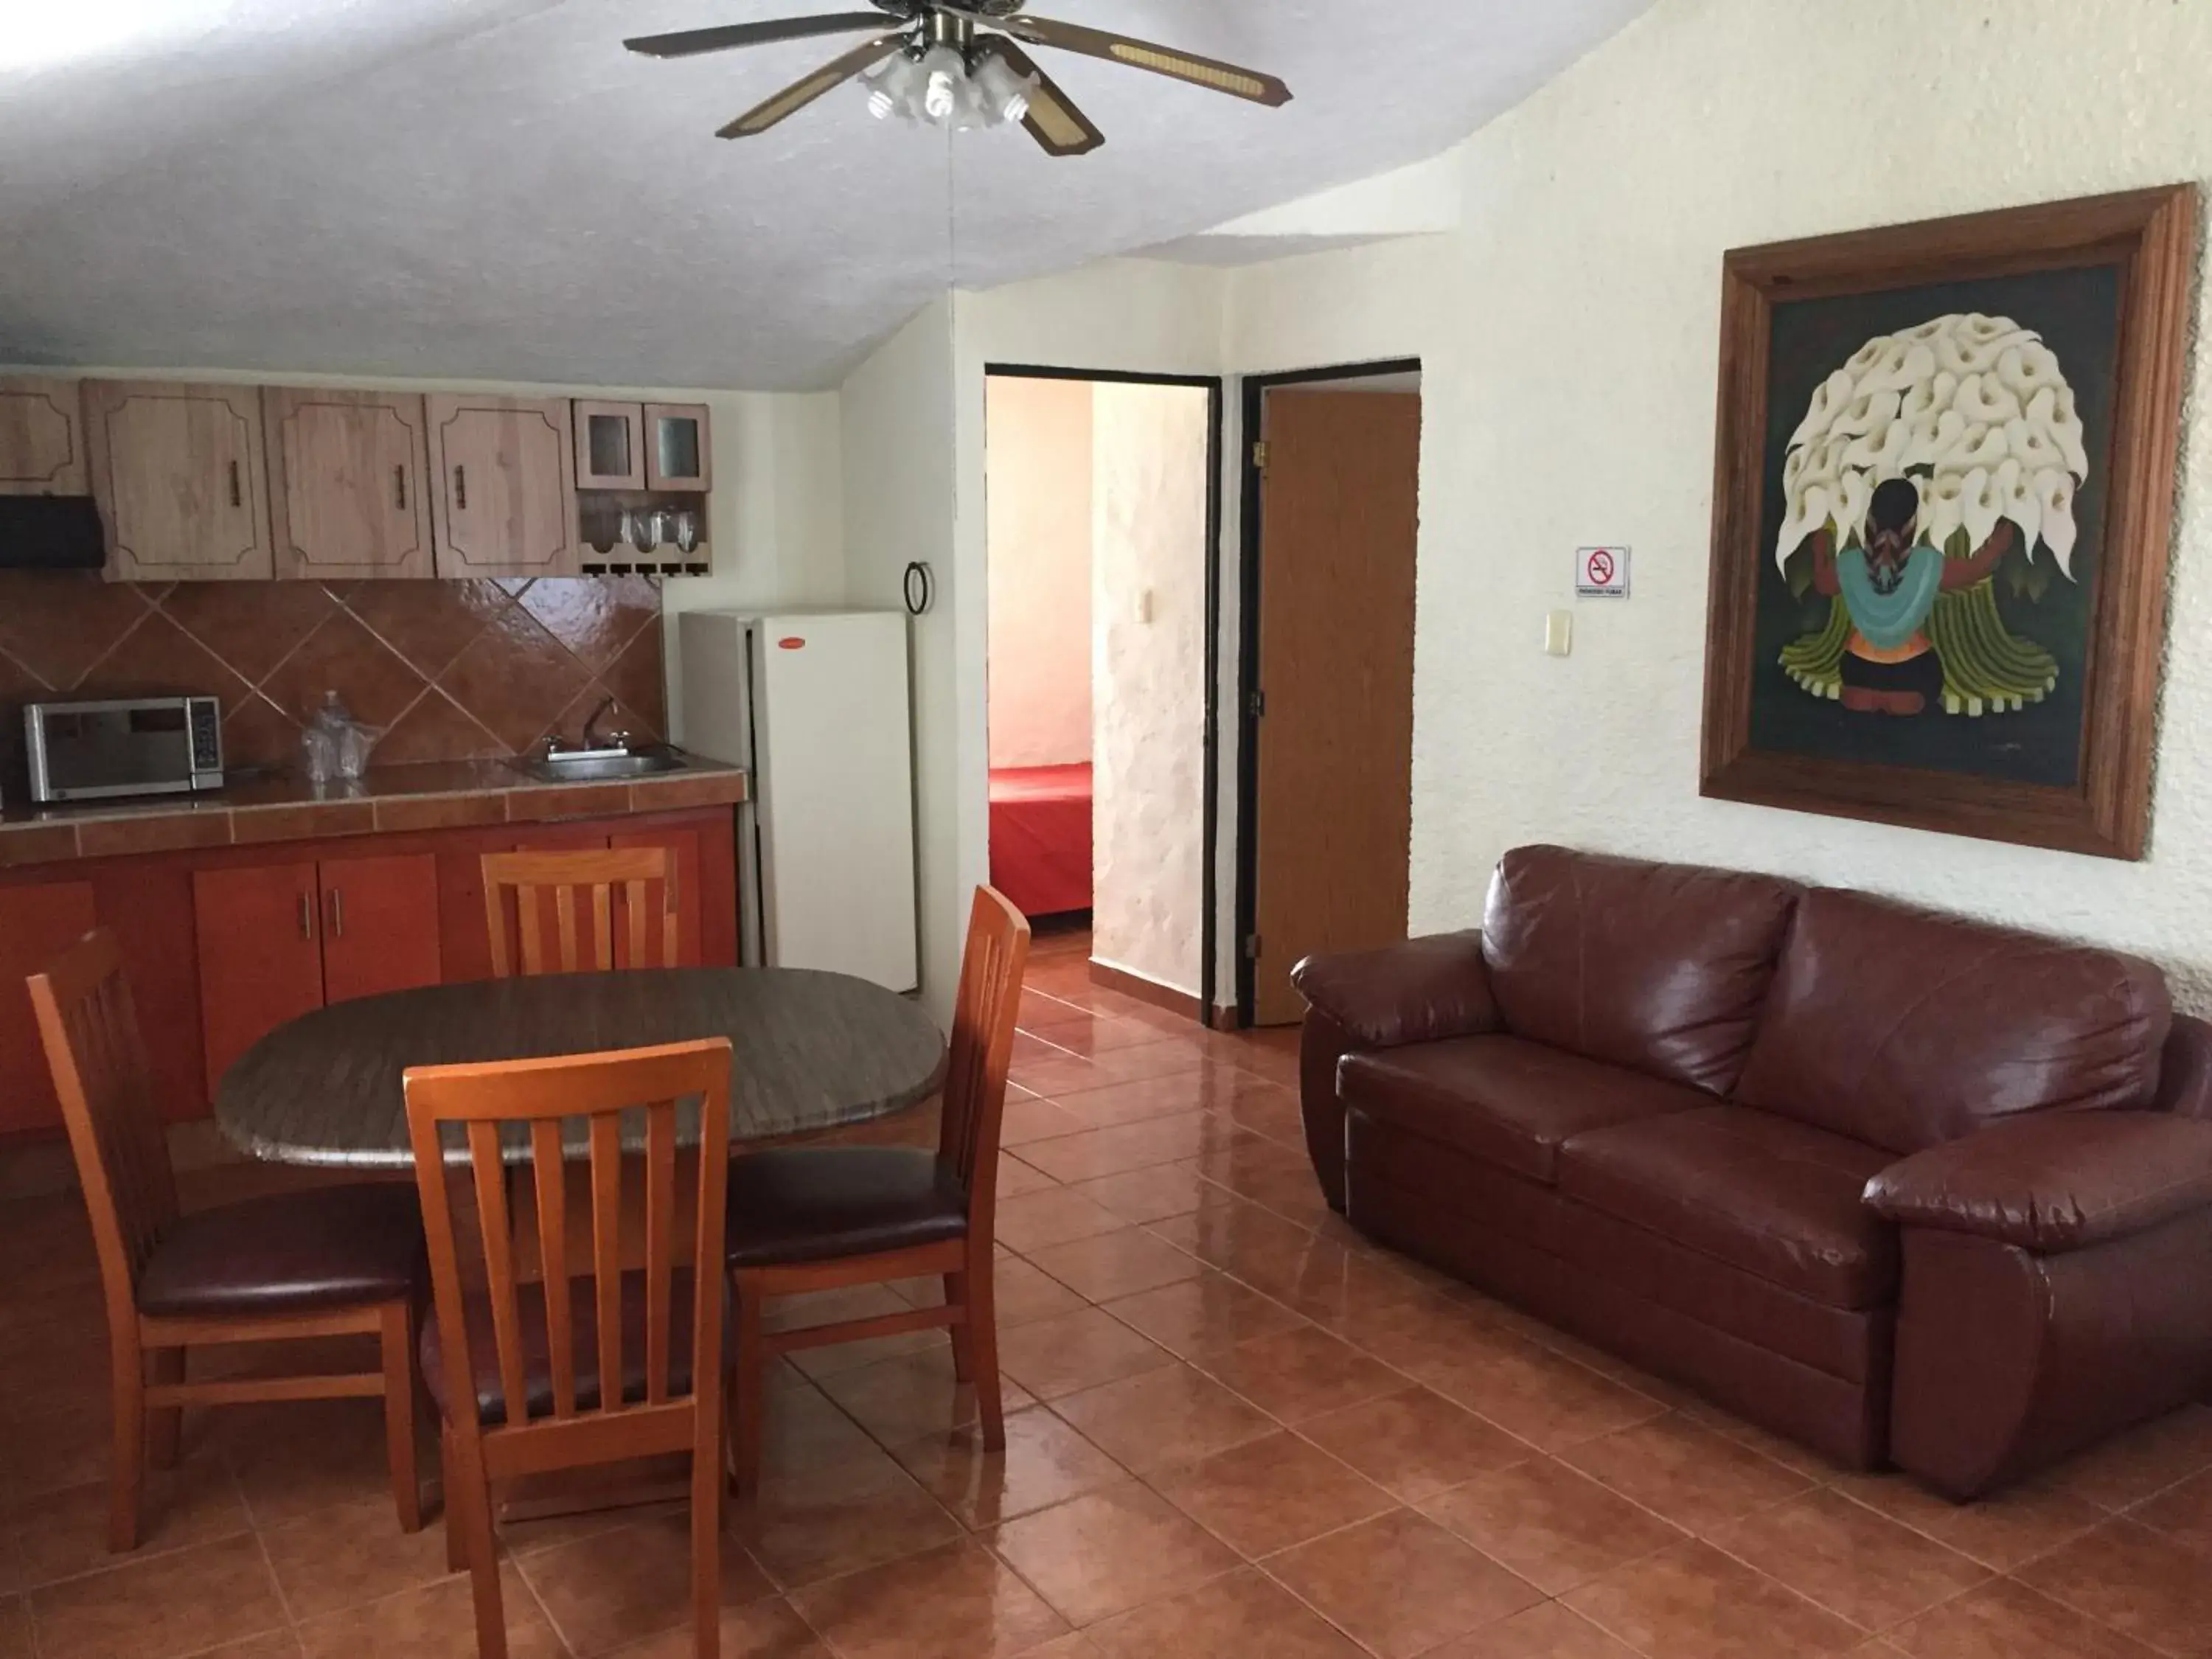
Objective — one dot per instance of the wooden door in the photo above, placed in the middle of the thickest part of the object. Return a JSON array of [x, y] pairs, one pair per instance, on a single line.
[[682, 846], [506, 500], [259, 931], [1339, 512], [346, 473], [379, 925], [179, 476], [42, 437], [676, 453], [609, 445], [37, 924]]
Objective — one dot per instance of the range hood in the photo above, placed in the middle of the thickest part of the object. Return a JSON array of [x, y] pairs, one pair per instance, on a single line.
[[50, 532]]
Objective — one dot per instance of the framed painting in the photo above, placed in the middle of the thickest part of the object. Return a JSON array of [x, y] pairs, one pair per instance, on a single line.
[[1942, 494]]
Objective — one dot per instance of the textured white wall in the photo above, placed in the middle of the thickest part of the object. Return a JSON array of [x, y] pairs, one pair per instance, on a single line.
[[1570, 386], [778, 523], [1039, 438], [1149, 519], [896, 412]]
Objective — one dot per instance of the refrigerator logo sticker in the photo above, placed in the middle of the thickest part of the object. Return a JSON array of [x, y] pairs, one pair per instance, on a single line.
[[793, 643]]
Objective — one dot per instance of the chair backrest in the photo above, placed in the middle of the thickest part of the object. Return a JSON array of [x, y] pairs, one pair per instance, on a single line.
[[510, 1105], [983, 1020], [90, 1032], [547, 885]]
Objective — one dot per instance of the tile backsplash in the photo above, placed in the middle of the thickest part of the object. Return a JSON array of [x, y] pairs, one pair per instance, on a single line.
[[452, 670]]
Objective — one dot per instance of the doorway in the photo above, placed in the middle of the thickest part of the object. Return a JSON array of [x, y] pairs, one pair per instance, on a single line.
[[1332, 510], [1102, 509]]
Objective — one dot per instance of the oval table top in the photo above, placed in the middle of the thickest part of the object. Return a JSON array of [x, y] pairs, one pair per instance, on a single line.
[[814, 1051]]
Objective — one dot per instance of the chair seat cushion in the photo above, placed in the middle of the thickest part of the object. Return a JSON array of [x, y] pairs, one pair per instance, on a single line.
[[331, 1247], [1503, 1099], [537, 1348], [1773, 1197], [822, 1204]]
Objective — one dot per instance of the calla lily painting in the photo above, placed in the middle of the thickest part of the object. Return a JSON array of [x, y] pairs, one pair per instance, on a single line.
[[1943, 494], [1921, 464]]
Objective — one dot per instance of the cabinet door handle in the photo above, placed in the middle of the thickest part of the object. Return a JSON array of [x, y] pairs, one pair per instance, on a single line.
[[399, 486], [237, 491], [337, 913], [461, 488], [306, 919]]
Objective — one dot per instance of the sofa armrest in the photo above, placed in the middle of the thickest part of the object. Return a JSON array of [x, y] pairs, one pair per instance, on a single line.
[[1422, 991], [2056, 1182], [2185, 1072]]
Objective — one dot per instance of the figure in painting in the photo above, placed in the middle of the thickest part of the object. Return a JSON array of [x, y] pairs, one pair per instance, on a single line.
[[1934, 463]]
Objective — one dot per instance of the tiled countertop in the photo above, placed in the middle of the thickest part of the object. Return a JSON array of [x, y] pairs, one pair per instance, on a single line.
[[392, 799]]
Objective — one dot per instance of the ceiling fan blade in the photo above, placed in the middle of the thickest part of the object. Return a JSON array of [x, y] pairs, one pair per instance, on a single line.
[[690, 43], [799, 94], [1060, 127], [1207, 72]]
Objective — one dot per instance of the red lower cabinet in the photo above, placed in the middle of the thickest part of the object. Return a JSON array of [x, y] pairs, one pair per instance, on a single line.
[[260, 937], [37, 924], [379, 925]]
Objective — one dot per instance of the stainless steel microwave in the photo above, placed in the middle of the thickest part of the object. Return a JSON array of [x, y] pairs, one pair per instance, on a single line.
[[129, 746]]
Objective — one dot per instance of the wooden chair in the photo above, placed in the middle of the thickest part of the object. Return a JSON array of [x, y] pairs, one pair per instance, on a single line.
[[333, 1262], [817, 1218], [574, 1369], [585, 942]]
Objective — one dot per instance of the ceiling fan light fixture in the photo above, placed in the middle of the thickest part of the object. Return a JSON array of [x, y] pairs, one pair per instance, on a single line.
[[945, 76], [1005, 93], [892, 86]]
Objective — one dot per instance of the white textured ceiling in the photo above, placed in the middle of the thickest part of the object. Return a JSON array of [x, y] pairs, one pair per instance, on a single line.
[[494, 188]]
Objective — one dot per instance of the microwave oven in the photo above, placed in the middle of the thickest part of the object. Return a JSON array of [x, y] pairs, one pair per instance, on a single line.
[[128, 746]]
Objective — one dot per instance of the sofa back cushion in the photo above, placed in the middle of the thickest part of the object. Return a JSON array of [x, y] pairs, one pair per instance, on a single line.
[[1906, 1029], [1661, 967]]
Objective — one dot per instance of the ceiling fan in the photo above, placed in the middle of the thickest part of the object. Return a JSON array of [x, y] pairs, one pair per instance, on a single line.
[[958, 63]]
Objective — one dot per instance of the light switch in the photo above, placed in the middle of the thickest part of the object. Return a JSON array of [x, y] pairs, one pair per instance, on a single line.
[[1559, 633]]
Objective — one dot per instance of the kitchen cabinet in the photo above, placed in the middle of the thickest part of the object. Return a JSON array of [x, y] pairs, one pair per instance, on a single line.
[[42, 437], [37, 924], [683, 850], [179, 476], [347, 472], [276, 941], [678, 453], [609, 445], [662, 447], [504, 500]]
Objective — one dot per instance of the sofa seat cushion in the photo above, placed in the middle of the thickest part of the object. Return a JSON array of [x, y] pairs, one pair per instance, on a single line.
[[1503, 1099], [1766, 1195]]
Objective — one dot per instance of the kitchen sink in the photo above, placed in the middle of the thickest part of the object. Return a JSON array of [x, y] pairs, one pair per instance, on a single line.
[[599, 765]]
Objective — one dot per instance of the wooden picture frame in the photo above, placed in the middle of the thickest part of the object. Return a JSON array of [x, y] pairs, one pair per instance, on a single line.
[[2083, 783]]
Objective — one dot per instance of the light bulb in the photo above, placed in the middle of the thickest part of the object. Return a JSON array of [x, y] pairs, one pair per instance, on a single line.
[[1006, 94], [945, 72], [890, 86]]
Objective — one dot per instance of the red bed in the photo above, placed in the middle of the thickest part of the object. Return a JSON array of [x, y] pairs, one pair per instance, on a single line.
[[1041, 837]]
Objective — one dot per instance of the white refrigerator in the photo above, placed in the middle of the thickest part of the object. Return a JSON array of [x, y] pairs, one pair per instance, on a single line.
[[815, 704]]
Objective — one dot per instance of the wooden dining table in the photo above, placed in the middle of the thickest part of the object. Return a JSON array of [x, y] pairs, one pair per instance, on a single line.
[[813, 1051]]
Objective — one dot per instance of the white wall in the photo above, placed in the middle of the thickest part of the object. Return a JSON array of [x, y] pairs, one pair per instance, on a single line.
[[777, 515], [1569, 354], [1039, 438], [1149, 600], [897, 419]]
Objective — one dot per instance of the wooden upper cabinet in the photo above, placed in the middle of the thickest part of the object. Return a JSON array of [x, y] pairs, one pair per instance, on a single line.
[[609, 445], [678, 451], [505, 504], [42, 437], [346, 472], [178, 473]]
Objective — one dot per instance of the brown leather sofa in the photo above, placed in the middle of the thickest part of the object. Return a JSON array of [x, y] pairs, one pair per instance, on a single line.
[[1904, 1188]]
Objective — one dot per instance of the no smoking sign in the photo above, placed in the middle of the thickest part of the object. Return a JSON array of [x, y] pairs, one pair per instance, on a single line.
[[1601, 572]]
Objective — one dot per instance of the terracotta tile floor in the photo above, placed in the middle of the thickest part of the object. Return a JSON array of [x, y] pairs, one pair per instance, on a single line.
[[1240, 1430]]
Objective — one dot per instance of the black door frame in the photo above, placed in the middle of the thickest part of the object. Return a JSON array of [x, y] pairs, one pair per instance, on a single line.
[[1256, 388], [1214, 385]]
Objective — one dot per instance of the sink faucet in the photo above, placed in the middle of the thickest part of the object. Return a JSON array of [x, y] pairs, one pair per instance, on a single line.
[[593, 739]]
